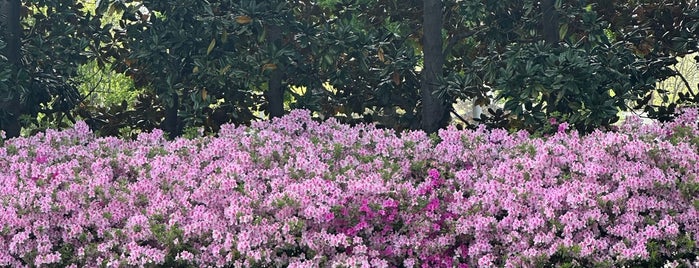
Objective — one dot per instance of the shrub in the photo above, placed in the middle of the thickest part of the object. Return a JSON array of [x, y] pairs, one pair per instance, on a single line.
[[295, 192]]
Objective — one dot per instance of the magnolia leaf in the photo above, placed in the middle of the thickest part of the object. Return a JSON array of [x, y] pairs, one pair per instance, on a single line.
[[243, 19], [204, 94], [101, 6], [211, 46], [562, 31], [559, 96], [269, 66], [225, 69], [328, 59], [111, 10], [381, 56], [396, 78], [224, 37]]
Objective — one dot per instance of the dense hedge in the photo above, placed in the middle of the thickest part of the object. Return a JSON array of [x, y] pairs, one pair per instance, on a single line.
[[294, 192]]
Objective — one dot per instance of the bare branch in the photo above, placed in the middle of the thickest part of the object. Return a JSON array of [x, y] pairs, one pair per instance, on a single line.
[[686, 84], [459, 116]]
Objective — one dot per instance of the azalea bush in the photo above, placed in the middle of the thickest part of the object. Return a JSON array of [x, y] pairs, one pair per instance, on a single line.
[[299, 193]]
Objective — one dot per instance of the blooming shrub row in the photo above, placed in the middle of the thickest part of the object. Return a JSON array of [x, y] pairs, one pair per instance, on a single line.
[[297, 193]]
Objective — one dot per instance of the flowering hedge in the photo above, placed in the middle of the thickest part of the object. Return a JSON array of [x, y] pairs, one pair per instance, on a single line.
[[297, 193]]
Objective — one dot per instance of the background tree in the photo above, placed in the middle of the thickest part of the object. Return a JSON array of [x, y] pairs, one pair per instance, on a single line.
[[205, 63], [360, 66], [660, 32], [587, 77], [10, 106], [433, 108], [55, 37]]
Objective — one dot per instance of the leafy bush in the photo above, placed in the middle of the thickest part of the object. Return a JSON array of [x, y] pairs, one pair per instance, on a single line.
[[585, 88], [295, 192]]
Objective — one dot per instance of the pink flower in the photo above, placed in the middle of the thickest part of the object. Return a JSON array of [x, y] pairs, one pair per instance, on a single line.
[[433, 173], [432, 205], [185, 256], [562, 127], [251, 190], [388, 251], [329, 216], [40, 159], [468, 165], [390, 203], [424, 190]]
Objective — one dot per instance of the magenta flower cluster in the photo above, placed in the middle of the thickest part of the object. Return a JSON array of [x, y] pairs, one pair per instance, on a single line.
[[294, 192]]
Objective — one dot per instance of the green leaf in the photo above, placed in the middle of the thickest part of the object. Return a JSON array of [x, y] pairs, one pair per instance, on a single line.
[[558, 4], [101, 6], [562, 31], [211, 46], [574, 105], [559, 96]]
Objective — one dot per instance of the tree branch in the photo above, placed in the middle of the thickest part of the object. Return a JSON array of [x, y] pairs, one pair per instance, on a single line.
[[92, 90], [453, 39], [459, 116], [686, 84]]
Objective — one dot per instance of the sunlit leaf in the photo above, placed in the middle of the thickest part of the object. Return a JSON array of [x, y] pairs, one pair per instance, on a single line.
[[243, 19], [269, 66], [211, 46], [562, 31]]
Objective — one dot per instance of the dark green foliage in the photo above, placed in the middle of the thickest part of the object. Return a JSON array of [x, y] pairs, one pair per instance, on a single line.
[[57, 37], [10, 43], [206, 63], [606, 59], [585, 88]]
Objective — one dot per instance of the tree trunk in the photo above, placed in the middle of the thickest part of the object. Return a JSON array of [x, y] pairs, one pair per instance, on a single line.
[[435, 114], [275, 91], [171, 122], [549, 29], [549, 22], [11, 34]]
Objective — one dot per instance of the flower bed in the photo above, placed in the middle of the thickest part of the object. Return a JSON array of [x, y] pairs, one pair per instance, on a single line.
[[294, 192]]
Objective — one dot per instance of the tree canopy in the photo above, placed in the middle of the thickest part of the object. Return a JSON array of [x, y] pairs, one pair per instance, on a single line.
[[400, 64]]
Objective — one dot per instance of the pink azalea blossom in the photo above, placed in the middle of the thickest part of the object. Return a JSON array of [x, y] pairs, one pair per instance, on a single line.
[[295, 192]]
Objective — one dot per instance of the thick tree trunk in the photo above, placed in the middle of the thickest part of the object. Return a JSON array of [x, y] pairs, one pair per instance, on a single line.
[[550, 22], [275, 91], [435, 114], [549, 29], [11, 34], [171, 122]]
